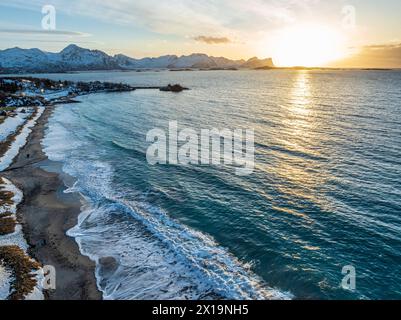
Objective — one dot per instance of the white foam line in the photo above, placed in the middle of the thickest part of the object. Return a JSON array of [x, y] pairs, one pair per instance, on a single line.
[[16, 238], [178, 262], [19, 142]]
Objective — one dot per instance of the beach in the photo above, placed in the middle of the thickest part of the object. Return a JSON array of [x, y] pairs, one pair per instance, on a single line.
[[46, 214], [199, 232]]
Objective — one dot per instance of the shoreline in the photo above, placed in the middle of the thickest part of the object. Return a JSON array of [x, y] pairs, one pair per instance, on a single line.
[[46, 214]]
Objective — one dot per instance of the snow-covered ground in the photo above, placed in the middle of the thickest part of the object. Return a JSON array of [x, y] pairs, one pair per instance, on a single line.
[[20, 141], [8, 127], [47, 94], [10, 124], [5, 282], [56, 94], [16, 238]]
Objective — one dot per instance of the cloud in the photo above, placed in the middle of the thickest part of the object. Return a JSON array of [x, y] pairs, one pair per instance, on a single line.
[[65, 42], [212, 40], [389, 46], [184, 17], [375, 56], [43, 32]]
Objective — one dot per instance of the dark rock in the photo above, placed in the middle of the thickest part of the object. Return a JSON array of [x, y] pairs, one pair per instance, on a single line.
[[173, 88]]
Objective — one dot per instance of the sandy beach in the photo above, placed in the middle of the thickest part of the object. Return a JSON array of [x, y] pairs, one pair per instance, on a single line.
[[46, 214]]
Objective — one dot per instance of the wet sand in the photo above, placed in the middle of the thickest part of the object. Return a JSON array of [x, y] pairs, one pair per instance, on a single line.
[[46, 214]]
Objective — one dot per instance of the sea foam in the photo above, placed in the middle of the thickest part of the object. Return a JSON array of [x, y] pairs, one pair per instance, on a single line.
[[140, 251]]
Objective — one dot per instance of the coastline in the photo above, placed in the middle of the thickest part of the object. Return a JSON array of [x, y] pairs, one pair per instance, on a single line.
[[46, 214]]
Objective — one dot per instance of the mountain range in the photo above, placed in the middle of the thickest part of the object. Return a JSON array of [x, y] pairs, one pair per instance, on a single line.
[[75, 58]]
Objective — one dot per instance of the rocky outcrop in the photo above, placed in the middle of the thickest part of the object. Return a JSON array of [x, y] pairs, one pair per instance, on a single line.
[[173, 88]]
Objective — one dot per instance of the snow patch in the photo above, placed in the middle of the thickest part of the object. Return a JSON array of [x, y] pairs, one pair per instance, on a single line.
[[19, 142], [5, 282], [16, 238], [10, 124]]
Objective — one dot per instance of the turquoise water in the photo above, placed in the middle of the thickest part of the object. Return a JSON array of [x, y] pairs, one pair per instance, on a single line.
[[325, 192]]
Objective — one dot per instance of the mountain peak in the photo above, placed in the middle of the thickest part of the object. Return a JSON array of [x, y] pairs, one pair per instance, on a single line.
[[17, 49], [253, 59], [70, 48], [255, 62]]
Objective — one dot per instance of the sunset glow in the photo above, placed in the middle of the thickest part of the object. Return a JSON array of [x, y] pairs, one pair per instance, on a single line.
[[308, 45], [200, 155]]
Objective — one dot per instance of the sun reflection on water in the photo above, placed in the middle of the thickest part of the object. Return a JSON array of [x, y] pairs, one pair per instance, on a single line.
[[298, 164], [299, 107]]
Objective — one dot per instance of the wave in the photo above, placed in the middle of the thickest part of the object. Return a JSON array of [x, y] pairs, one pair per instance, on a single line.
[[291, 153], [173, 261], [139, 250]]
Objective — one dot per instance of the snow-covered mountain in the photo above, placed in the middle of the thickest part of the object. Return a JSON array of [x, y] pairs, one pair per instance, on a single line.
[[74, 58], [25, 59], [125, 62]]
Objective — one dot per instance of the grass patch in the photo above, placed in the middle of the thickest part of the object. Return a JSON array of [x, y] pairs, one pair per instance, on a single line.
[[6, 198], [14, 259], [7, 221], [7, 108], [5, 214], [7, 225]]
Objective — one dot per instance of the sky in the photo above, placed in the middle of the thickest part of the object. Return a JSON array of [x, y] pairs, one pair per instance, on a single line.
[[341, 33]]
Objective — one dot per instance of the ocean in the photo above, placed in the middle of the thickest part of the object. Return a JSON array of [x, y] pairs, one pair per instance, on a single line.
[[325, 192]]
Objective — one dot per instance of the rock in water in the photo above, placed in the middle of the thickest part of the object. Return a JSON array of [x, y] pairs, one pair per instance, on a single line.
[[173, 88]]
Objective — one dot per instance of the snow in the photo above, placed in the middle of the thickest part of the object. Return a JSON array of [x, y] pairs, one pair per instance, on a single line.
[[195, 59], [47, 94], [37, 293], [5, 282], [80, 57], [22, 58], [74, 58], [56, 94], [19, 142], [21, 102], [16, 238], [10, 124]]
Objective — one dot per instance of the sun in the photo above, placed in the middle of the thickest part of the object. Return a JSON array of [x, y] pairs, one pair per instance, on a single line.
[[308, 46]]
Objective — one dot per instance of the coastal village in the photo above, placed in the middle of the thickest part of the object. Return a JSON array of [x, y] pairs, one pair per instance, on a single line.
[[23, 100]]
